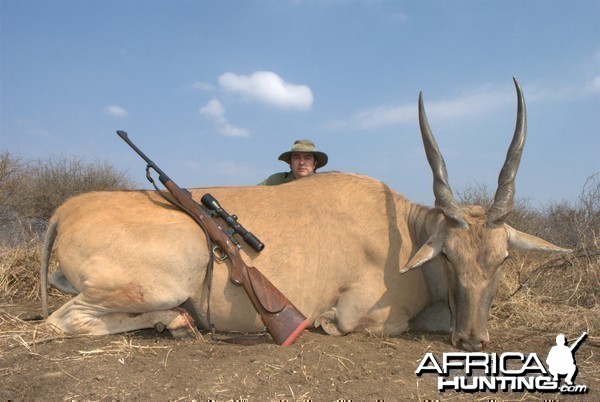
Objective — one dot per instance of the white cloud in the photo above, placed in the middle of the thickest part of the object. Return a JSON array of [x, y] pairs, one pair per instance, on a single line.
[[232, 131], [380, 116], [473, 103], [270, 88], [116, 111], [215, 111]]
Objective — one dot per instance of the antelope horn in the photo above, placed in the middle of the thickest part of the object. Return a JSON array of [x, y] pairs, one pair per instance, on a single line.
[[504, 198], [444, 199]]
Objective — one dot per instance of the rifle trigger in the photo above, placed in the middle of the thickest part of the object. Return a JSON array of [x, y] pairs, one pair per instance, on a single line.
[[219, 254]]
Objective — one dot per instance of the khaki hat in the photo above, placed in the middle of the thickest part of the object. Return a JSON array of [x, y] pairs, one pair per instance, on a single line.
[[305, 146]]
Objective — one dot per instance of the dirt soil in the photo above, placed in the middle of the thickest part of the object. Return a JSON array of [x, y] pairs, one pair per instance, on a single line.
[[146, 365]]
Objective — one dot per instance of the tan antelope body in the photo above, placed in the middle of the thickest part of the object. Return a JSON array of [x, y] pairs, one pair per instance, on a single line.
[[341, 247]]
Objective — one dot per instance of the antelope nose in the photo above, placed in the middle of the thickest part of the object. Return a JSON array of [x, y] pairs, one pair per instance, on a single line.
[[473, 345]]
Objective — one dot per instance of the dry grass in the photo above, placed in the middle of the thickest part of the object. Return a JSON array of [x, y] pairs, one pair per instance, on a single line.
[[21, 333], [16, 333], [19, 271], [550, 292]]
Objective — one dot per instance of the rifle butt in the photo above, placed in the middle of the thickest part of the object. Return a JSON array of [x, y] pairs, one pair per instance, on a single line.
[[285, 326], [283, 320]]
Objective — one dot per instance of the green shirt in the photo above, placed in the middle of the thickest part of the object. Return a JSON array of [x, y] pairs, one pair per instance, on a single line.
[[277, 178]]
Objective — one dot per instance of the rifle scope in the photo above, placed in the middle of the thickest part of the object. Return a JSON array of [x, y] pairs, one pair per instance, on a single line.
[[212, 204]]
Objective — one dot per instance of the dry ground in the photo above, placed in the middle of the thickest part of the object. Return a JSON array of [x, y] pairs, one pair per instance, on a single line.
[[538, 299]]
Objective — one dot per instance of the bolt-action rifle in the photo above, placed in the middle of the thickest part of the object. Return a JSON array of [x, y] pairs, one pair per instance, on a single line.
[[281, 318]]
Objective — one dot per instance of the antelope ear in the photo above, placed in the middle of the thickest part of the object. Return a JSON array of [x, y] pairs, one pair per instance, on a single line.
[[431, 249], [524, 241]]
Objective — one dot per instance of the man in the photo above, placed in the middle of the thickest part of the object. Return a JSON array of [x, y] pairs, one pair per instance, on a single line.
[[304, 160]]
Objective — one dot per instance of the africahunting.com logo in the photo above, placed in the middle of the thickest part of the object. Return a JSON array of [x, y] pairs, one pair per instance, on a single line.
[[510, 371]]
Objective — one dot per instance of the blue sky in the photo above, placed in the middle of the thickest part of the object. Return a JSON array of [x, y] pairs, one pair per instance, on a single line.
[[214, 91]]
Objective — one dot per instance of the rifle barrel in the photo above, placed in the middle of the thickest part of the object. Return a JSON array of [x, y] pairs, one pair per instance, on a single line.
[[162, 176]]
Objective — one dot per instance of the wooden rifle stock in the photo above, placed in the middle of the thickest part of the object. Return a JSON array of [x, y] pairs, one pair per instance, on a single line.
[[281, 318]]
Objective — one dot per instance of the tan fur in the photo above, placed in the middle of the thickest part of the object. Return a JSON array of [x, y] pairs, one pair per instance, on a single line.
[[326, 239], [334, 246]]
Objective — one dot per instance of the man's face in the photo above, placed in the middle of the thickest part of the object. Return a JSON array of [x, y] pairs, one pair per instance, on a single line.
[[303, 164]]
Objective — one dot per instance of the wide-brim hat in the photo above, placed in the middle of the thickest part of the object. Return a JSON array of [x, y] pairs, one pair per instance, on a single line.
[[305, 146]]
